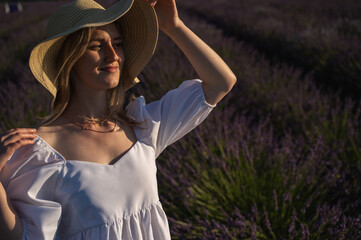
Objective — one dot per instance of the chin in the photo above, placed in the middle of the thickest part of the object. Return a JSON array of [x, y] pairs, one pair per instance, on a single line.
[[110, 86], [111, 83]]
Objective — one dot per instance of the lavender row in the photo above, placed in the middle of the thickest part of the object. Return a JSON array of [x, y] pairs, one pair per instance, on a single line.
[[319, 36], [245, 183]]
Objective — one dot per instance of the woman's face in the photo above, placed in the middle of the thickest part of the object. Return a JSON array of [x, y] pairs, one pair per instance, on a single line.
[[100, 66]]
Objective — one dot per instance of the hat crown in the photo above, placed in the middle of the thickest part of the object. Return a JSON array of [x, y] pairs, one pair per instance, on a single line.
[[68, 16]]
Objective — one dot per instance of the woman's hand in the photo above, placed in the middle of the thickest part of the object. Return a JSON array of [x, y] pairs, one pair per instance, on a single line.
[[167, 14], [12, 140]]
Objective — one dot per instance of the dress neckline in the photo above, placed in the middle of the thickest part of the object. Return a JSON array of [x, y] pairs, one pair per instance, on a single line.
[[118, 159]]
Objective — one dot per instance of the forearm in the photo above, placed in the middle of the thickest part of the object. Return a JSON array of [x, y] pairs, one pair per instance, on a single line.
[[10, 224], [217, 77]]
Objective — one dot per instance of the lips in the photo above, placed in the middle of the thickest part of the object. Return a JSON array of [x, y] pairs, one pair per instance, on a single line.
[[109, 68]]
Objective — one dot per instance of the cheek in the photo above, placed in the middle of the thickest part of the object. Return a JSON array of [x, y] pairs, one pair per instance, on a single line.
[[88, 59], [84, 66]]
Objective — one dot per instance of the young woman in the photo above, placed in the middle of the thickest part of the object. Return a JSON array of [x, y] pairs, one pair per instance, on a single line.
[[89, 171]]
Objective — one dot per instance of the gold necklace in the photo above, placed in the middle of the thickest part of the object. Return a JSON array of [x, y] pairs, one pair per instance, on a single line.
[[83, 127]]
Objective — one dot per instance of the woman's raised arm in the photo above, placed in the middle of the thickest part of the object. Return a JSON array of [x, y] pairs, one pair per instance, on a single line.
[[217, 77]]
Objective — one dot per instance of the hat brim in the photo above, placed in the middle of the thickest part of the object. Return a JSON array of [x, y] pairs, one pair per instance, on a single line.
[[139, 26]]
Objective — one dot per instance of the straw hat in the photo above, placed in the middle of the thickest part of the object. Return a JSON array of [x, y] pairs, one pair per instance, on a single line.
[[139, 27]]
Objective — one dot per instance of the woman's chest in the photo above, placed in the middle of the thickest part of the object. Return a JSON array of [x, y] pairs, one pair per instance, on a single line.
[[102, 148], [91, 193]]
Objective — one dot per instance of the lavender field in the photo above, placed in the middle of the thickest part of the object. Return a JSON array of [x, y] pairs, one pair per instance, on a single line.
[[280, 156], [322, 37]]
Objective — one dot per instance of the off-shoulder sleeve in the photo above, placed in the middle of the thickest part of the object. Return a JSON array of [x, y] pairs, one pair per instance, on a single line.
[[173, 116], [29, 178]]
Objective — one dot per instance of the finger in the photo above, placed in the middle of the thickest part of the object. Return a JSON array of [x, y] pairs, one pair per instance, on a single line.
[[19, 135], [16, 136], [16, 133], [17, 130]]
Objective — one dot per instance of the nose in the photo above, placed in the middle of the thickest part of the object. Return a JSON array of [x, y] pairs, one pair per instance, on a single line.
[[111, 54]]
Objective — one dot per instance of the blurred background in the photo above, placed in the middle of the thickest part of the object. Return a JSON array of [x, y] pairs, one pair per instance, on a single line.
[[279, 157]]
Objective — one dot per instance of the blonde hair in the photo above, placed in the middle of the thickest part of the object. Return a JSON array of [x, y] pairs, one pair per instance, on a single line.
[[73, 48]]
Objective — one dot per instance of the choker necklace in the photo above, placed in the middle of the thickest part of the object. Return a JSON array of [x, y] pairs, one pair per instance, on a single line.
[[83, 127]]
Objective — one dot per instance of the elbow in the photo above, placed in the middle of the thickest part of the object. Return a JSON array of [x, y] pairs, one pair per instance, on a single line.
[[215, 92], [230, 82], [226, 83]]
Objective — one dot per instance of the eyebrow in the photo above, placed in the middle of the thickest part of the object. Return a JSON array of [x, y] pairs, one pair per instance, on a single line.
[[102, 39]]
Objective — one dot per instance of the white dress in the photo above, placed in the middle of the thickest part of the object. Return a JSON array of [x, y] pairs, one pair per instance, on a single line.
[[59, 199]]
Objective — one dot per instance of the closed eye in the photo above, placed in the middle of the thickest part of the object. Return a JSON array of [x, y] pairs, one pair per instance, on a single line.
[[96, 47], [95, 44], [118, 45]]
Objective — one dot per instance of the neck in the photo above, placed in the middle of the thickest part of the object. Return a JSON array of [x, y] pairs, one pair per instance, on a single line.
[[87, 104]]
